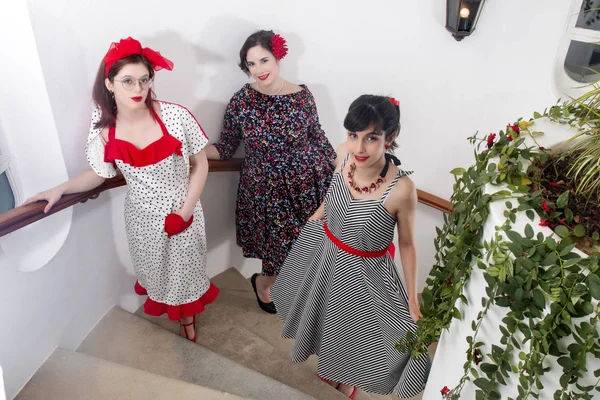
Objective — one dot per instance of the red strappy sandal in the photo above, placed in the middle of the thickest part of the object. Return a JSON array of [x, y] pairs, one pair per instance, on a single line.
[[185, 330], [353, 393], [327, 381]]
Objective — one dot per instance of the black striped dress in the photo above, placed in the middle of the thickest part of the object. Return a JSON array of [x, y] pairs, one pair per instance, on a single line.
[[349, 310]]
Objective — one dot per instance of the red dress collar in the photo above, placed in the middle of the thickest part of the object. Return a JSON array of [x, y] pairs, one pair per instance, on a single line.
[[163, 147]]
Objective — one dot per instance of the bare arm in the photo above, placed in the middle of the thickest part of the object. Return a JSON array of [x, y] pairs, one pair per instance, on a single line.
[[405, 197], [198, 176], [81, 183], [319, 214], [341, 152], [211, 152]]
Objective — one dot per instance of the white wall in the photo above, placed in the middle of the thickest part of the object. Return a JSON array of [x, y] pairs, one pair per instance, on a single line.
[[448, 90], [2, 392], [58, 304]]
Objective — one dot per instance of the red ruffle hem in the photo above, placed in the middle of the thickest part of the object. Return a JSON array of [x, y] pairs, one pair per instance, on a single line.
[[156, 309]]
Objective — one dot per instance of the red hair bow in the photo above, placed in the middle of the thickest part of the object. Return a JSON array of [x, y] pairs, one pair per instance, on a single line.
[[130, 46], [395, 102], [278, 46]]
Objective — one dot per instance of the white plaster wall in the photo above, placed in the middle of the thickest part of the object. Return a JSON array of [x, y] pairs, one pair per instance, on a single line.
[[28, 130], [448, 90], [56, 305], [59, 304], [2, 392]]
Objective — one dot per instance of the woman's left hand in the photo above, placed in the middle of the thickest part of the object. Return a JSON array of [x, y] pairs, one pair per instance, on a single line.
[[185, 215], [175, 224], [415, 309]]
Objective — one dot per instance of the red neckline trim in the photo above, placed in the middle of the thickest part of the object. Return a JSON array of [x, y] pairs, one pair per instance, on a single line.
[[160, 149]]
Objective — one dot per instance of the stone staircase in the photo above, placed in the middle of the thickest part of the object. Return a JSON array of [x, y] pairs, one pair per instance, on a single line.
[[239, 354]]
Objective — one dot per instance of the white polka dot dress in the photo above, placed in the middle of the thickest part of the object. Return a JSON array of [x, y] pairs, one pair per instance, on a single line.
[[170, 270]]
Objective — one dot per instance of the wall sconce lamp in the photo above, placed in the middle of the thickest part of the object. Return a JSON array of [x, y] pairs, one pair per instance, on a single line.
[[462, 17]]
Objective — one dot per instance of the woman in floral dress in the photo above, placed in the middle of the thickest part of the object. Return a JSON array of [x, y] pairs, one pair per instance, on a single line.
[[288, 163], [153, 144]]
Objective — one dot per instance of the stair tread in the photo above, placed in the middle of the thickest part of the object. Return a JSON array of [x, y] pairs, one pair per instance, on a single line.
[[233, 301], [236, 328], [219, 330], [68, 375], [126, 339]]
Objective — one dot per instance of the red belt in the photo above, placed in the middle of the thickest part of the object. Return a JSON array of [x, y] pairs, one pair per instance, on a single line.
[[355, 252]]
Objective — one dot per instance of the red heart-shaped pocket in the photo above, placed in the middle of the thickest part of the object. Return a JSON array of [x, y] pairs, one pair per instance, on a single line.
[[175, 224]]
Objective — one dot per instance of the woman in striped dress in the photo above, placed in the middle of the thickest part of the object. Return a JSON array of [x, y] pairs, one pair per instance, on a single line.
[[338, 292]]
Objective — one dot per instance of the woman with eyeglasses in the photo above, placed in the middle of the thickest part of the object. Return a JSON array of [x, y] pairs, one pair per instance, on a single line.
[[158, 147], [288, 163]]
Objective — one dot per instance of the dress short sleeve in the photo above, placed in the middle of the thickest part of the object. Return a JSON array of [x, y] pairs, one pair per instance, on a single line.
[[195, 137], [94, 150]]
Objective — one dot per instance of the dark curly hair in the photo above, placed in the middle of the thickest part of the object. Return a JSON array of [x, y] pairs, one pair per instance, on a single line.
[[259, 38], [374, 111]]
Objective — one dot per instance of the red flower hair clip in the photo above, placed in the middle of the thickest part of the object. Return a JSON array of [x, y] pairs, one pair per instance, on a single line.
[[395, 102], [130, 46], [278, 46]]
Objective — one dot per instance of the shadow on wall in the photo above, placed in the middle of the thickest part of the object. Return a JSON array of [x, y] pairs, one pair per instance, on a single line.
[[204, 80], [201, 75], [2, 392]]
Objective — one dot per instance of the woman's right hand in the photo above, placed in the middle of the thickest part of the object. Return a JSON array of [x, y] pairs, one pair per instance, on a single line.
[[50, 195]]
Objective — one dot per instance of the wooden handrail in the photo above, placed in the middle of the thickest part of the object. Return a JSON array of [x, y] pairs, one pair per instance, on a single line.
[[434, 202], [22, 216]]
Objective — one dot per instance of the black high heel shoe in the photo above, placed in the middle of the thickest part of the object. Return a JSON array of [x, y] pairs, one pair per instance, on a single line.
[[266, 307]]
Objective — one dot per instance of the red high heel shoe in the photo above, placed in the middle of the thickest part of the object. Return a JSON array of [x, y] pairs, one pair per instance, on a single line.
[[327, 381], [184, 326], [353, 393]]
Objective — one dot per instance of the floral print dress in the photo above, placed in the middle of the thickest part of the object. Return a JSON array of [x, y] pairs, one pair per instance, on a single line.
[[286, 171]]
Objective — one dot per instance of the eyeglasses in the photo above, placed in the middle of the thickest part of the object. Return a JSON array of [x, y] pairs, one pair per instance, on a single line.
[[129, 83]]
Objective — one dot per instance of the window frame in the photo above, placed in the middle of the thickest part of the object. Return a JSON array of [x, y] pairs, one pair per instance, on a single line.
[[8, 166], [566, 85]]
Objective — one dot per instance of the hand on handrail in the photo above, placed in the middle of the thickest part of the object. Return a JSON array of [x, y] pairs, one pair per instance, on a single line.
[[50, 195]]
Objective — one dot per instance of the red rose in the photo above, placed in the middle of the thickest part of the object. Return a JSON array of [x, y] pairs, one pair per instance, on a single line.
[[278, 46], [515, 128], [445, 391], [546, 207], [490, 140], [510, 138], [543, 222]]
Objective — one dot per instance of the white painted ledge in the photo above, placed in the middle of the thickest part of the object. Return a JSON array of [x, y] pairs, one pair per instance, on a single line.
[[447, 368]]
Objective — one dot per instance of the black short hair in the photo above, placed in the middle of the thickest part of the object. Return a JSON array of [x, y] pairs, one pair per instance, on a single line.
[[261, 38], [374, 111]]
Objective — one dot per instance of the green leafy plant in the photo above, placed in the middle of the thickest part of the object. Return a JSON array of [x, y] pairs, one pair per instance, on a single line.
[[583, 149], [541, 282]]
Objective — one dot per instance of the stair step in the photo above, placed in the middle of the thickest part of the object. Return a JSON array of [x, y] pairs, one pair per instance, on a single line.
[[67, 375], [236, 328], [126, 339], [218, 330], [233, 305]]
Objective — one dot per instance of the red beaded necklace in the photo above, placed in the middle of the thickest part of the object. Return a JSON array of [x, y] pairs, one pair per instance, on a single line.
[[373, 186]]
